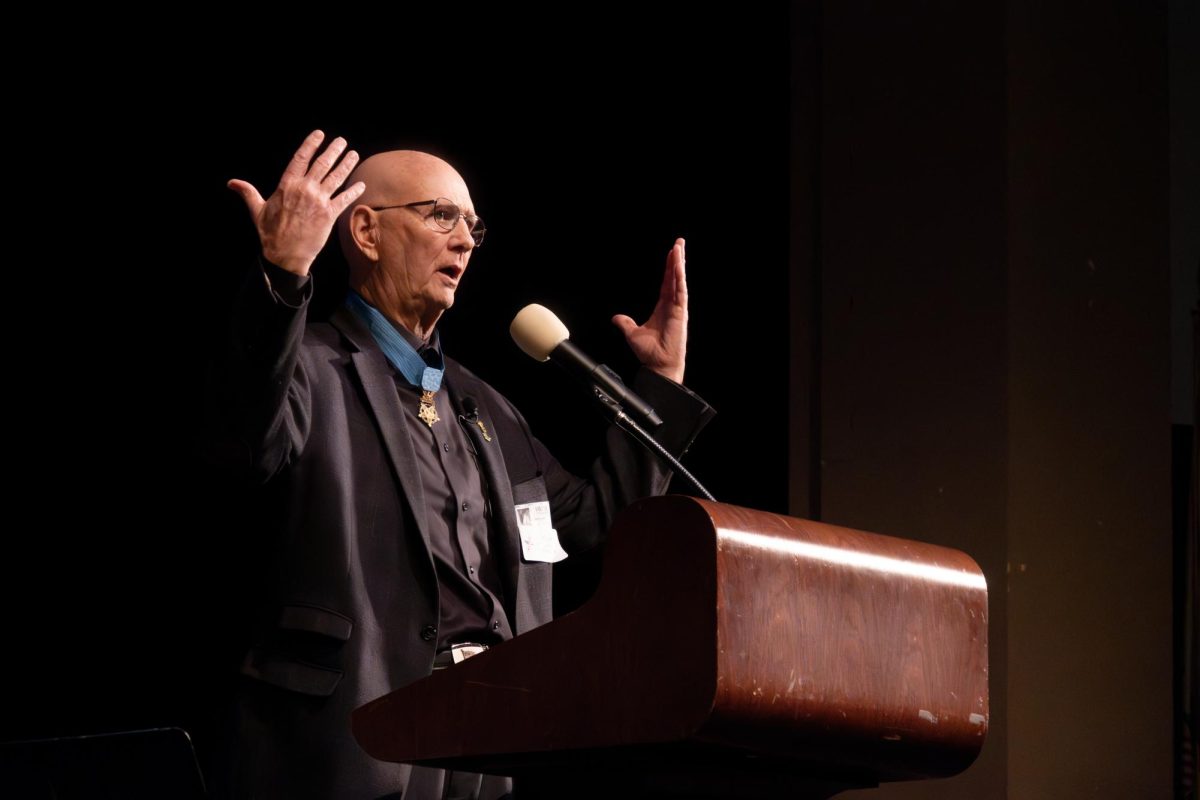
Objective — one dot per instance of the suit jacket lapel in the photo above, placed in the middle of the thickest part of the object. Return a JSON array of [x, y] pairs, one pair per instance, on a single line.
[[376, 376]]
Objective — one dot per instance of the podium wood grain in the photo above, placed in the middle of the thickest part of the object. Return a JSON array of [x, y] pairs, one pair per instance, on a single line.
[[728, 643]]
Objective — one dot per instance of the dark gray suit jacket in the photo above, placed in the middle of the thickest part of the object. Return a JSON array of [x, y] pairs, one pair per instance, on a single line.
[[350, 607]]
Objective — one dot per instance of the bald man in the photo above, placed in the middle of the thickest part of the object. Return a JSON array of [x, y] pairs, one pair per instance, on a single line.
[[395, 475]]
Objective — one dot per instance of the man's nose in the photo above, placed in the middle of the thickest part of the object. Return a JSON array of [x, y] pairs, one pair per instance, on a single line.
[[460, 235]]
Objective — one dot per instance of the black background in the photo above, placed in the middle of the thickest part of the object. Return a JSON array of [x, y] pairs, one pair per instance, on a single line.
[[590, 139]]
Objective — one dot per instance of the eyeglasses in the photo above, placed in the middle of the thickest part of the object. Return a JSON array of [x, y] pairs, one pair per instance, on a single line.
[[446, 216]]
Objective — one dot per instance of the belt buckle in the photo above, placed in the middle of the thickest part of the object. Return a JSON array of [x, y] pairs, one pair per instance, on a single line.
[[461, 652]]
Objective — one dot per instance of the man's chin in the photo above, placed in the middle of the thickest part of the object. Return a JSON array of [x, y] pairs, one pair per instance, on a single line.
[[439, 302]]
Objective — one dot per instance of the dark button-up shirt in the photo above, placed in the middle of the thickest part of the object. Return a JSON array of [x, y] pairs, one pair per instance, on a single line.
[[460, 530]]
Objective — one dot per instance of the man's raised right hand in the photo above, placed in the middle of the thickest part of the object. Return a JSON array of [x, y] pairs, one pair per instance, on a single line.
[[295, 221]]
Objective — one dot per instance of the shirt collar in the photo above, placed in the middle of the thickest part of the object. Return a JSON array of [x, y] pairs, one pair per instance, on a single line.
[[418, 361]]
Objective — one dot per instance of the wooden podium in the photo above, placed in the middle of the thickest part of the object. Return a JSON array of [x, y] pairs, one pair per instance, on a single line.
[[726, 653]]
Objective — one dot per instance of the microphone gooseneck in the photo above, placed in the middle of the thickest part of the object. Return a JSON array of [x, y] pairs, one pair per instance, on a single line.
[[544, 337]]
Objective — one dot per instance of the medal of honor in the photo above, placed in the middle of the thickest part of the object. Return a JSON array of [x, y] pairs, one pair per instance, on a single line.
[[428, 412]]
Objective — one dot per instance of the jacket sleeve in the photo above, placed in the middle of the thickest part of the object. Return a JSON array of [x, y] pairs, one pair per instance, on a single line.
[[260, 411]]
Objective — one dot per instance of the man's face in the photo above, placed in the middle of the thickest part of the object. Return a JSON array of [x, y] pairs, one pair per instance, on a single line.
[[422, 263]]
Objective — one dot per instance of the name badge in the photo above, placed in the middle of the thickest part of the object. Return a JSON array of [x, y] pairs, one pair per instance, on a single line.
[[539, 540]]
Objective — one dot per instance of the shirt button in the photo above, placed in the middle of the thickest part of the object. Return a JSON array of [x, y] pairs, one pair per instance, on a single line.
[[472, 570], [446, 446], [428, 633], [465, 505]]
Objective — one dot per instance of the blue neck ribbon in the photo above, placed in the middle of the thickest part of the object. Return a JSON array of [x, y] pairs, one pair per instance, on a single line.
[[397, 349]]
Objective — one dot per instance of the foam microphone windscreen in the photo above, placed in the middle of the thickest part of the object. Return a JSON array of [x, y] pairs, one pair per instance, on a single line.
[[537, 331]]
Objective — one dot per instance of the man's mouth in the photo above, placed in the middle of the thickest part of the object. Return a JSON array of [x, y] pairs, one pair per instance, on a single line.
[[452, 271]]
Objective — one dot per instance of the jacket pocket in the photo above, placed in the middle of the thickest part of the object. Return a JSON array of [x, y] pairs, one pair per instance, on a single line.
[[530, 491], [303, 653]]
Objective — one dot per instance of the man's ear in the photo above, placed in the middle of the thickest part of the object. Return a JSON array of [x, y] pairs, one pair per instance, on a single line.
[[364, 232]]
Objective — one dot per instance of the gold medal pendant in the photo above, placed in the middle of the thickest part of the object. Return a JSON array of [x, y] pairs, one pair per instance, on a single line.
[[428, 413]]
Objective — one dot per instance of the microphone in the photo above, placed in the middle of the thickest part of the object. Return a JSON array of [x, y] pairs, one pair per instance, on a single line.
[[544, 337]]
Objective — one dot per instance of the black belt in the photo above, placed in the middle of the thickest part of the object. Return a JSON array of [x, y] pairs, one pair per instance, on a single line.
[[456, 654]]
